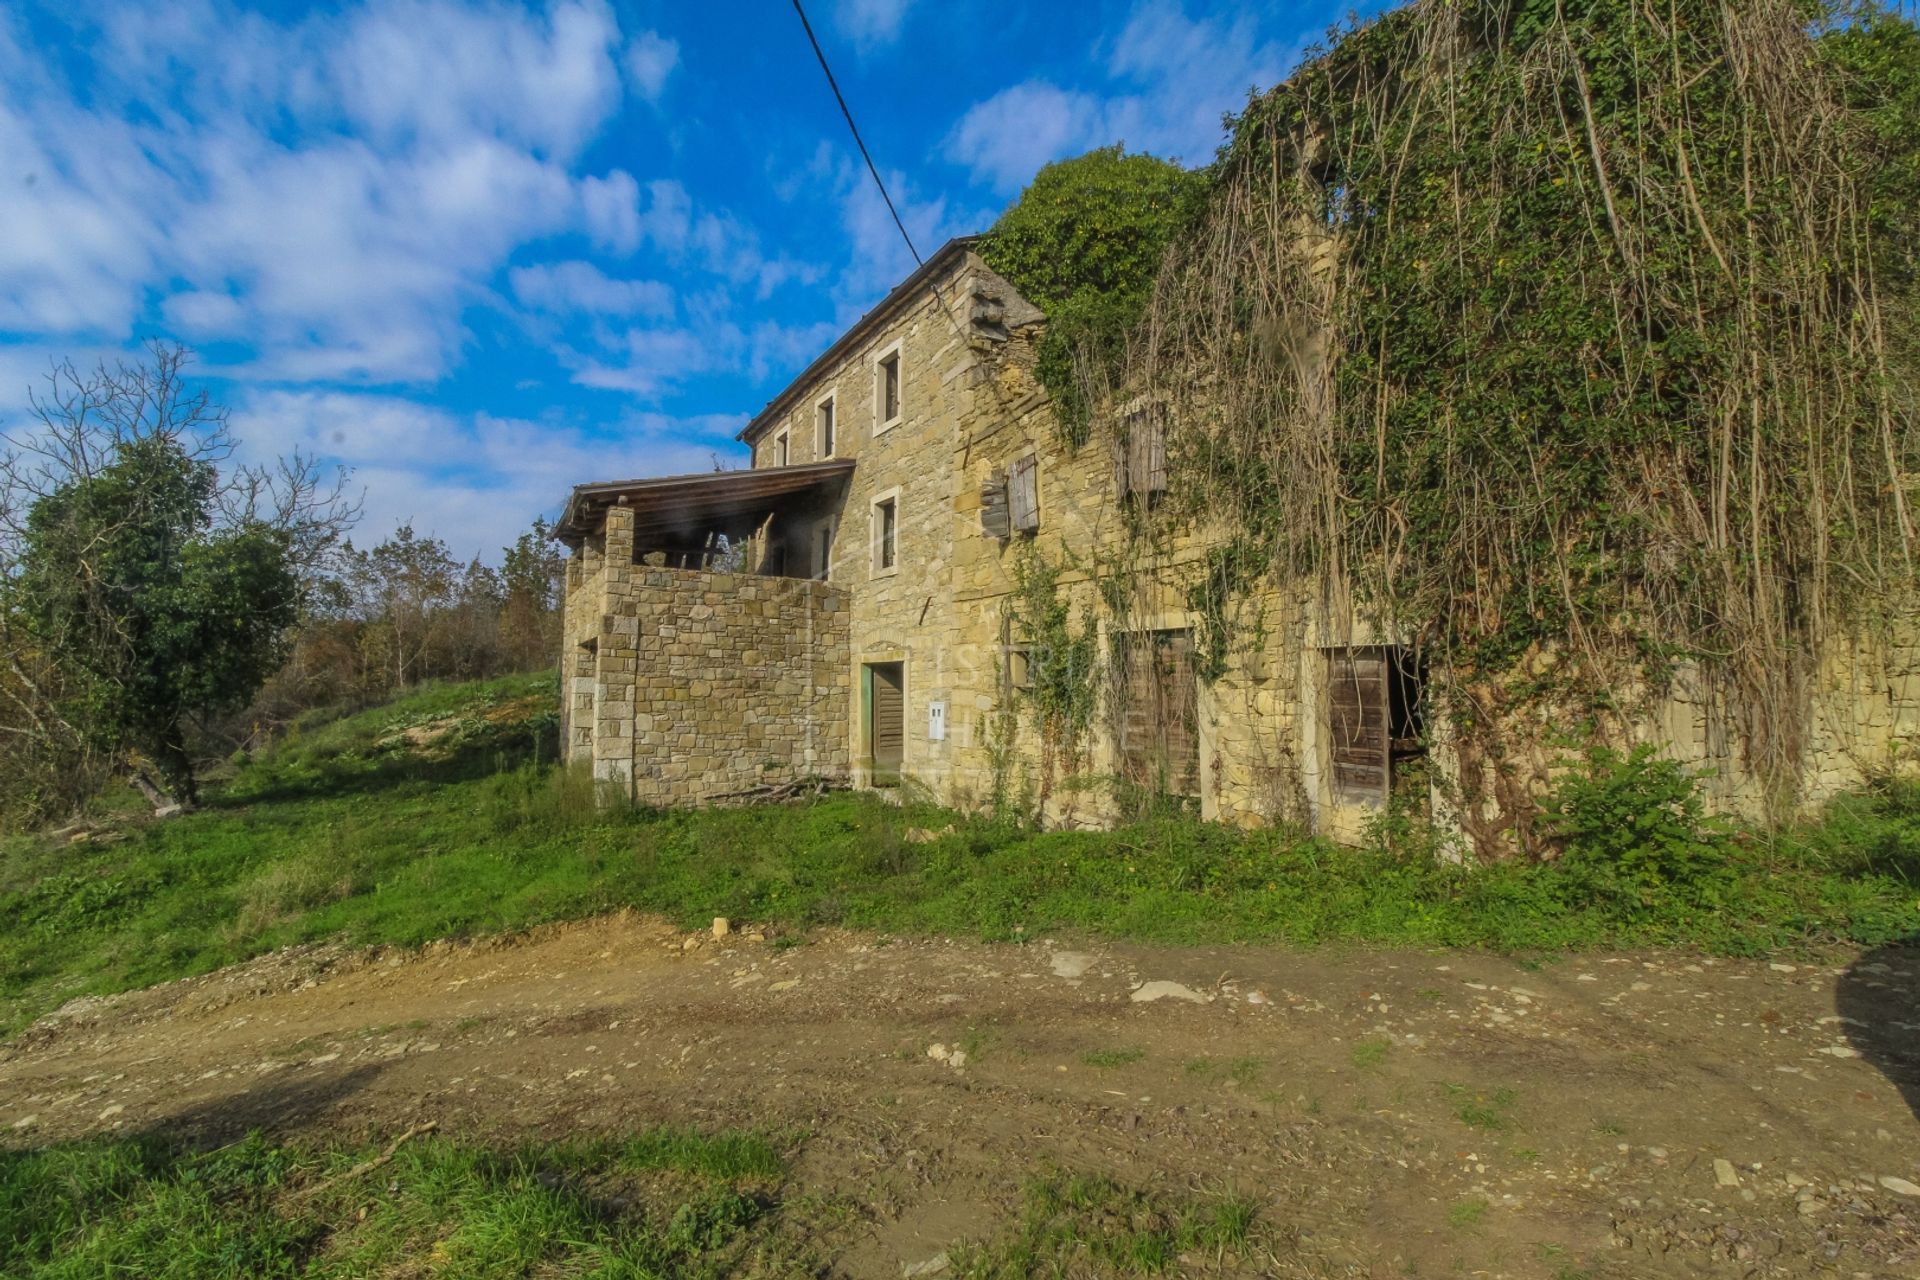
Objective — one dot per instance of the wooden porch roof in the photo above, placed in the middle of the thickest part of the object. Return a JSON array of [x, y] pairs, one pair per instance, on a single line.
[[683, 506]]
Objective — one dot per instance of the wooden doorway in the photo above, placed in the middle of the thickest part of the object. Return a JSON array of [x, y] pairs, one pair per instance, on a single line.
[[1375, 718], [1159, 722], [886, 720]]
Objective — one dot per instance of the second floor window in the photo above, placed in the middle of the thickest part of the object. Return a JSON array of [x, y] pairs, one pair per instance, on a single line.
[[826, 427], [888, 390], [886, 534], [780, 450]]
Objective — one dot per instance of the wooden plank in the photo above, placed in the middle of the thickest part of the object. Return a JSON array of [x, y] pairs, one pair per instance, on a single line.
[[1023, 491]]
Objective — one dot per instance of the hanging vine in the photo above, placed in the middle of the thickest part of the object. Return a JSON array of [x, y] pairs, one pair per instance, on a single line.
[[1059, 690], [1563, 338]]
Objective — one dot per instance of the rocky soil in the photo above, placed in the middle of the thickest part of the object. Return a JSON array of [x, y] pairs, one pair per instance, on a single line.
[[1393, 1113]]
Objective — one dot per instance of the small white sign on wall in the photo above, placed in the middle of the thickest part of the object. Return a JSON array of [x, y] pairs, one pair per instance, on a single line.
[[936, 722]]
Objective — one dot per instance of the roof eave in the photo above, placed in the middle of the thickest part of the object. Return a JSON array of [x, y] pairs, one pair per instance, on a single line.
[[858, 333]]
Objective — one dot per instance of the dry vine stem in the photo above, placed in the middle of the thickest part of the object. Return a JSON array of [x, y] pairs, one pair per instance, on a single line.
[[1548, 337]]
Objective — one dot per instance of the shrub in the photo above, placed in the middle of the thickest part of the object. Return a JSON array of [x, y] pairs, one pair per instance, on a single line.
[[1632, 828]]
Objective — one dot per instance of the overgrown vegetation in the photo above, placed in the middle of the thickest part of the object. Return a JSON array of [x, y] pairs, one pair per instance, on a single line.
[[1060, 690], [665, 1203], [1572, 341], [1083, 243], [442, 815]]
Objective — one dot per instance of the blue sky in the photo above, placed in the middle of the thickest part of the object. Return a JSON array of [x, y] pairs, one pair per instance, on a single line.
[[479, 252]]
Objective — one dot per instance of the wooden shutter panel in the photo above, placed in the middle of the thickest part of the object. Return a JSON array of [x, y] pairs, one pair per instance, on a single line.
[[1023, 493], [995, 521], [889, 718], [1357, 723], [1146, 457]]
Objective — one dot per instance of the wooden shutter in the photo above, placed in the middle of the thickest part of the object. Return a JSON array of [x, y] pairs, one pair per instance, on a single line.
[[1145, 466], [1023, 494], [889, 718], [1159, 715], [1357, 723], [995, 520]]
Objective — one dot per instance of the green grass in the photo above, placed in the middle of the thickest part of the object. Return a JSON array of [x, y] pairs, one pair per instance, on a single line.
[[1370, 1053], [347, 831], [666, 1203], [1109, 1058], [1484, 1111], [1089, 1225]]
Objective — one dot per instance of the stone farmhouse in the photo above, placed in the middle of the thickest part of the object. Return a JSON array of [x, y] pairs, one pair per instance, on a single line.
[[840, 611]]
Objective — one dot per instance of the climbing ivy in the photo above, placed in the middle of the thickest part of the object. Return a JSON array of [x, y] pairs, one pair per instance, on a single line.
[[1574, 335], [1083, 243], [1062, 690]]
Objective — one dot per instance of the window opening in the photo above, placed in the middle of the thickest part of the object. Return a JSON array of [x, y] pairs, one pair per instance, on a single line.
[[886, 520], [1023, 493], [1144, 462], [823, 549], [889, 374]]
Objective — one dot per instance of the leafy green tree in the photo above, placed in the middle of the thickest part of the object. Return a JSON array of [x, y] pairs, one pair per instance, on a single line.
[[153, 588], [1083, 243]]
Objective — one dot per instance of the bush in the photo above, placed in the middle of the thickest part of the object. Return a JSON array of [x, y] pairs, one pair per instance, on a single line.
[[1632, 829]]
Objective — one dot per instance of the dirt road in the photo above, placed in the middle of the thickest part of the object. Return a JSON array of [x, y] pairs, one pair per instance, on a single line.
[[1396, 1112]]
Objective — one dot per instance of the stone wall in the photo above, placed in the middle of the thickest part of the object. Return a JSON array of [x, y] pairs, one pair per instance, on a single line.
[[741, 681]]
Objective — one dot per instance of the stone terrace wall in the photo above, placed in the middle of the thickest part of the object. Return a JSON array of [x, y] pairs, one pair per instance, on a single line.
[[740, 681]]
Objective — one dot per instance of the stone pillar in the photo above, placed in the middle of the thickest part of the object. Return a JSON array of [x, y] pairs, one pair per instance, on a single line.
[[617, 658]]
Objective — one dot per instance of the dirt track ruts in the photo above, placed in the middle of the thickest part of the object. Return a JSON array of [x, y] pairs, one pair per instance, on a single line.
[[1361, 1097]]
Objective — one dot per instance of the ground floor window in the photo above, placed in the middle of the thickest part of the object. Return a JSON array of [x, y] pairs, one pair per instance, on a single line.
[[823, 549]]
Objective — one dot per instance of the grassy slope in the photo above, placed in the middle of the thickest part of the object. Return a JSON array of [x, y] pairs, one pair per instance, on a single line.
[[349, 830]]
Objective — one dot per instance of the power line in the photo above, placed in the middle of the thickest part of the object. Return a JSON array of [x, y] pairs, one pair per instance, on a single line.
[[857, 140]]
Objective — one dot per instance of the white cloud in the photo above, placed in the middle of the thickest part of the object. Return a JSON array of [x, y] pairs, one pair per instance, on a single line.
[[203, 312], [332, 193], [410, 70], [473, 480], [1170, 79], [871, 24], [611, 206], [1006, 139], [650, 59], [580, 287]]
